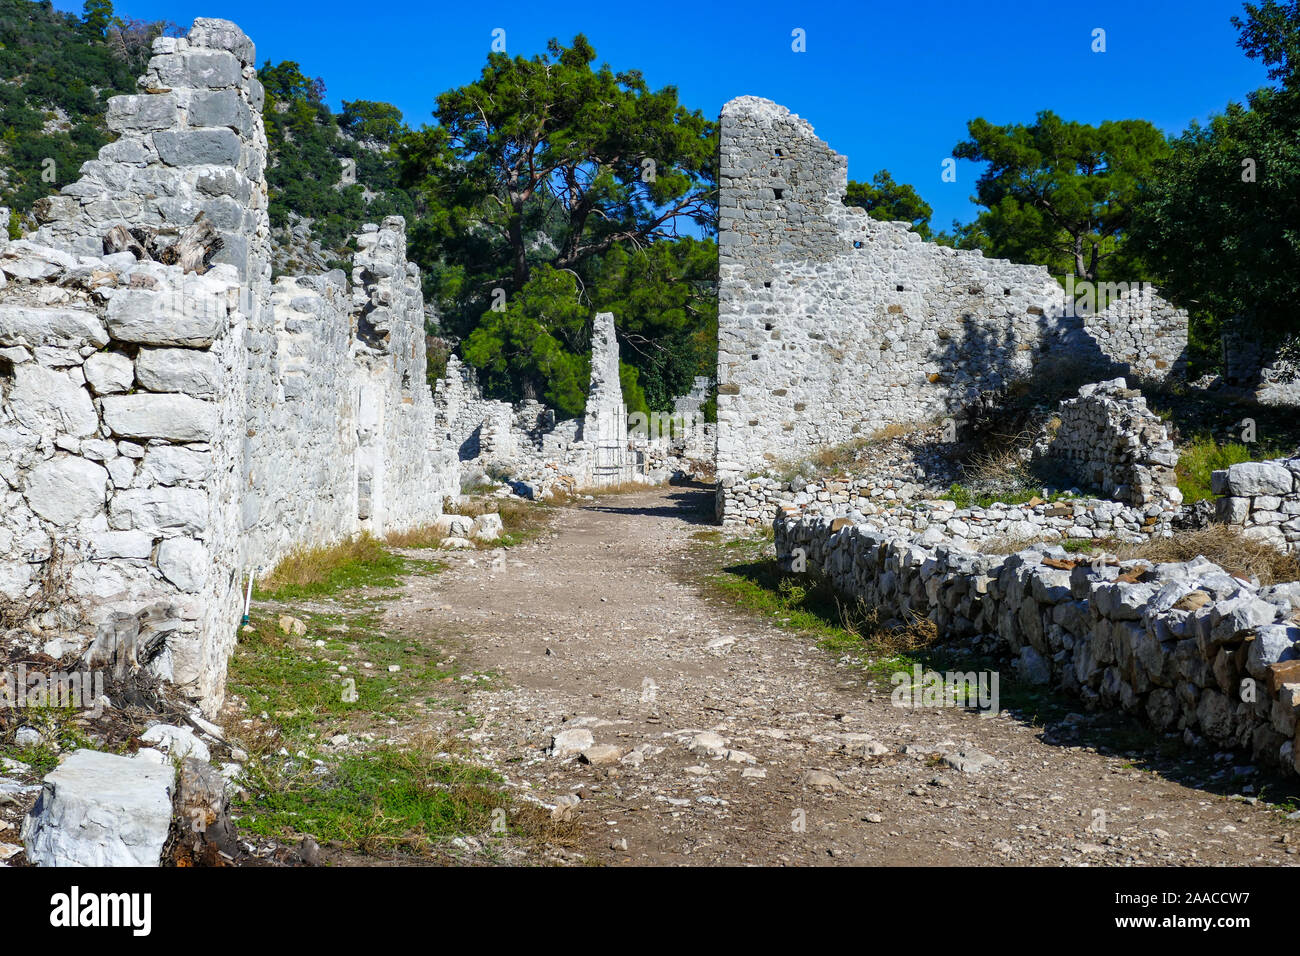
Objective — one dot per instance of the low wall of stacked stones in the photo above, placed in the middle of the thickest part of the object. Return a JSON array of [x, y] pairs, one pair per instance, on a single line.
[[1186, 646], [1262, 498], [833, 325], [163, 433], [757, 502]]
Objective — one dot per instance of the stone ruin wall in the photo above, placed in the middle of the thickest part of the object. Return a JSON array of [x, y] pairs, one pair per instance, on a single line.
[[833, 325], [604, 447], [1176, 644], [163, 433], [1263, 499], [1108, 440]]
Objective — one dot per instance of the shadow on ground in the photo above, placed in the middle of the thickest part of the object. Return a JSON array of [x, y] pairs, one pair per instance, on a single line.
[[693, 504]]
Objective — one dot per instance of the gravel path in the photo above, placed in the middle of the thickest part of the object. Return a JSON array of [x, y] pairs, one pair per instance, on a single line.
[[715, 737]]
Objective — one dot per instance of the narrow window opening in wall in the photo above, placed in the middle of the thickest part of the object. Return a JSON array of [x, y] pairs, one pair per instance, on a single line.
[[754, 357], [780, 193], [898, 288], [767, 326], [767, 285], [1006, 291]]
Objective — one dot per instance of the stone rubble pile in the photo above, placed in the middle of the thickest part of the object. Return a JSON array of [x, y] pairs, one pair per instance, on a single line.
[[1105, 438], [1188, 646]]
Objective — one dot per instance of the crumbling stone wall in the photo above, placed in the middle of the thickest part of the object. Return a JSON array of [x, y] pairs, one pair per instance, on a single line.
[[470, 421], [1262, 497], [527, 443], [166, 433], [1187, 646], [604, 423], [833, 325], [1108, 439], [1142, 334]]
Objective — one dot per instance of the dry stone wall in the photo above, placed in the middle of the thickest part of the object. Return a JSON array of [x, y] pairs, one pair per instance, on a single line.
[[162, 433], [1187, 646], [833, 325], [904, 506], [1108, 439], [1262, 498], [1141, 333]]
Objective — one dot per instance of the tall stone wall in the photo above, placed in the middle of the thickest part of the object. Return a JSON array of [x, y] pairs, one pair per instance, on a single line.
[[833, 325], [1141, 333], [164, 434]]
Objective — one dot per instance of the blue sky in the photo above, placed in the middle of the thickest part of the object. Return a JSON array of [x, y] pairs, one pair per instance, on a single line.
[[890, 84]]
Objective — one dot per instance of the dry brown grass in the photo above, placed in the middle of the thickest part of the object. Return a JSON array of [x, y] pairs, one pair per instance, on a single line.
[[425, 536], [622, 488], [885, 638], [1225, 545]]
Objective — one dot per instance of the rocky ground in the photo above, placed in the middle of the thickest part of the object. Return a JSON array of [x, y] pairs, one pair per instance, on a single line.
[[676, 729]]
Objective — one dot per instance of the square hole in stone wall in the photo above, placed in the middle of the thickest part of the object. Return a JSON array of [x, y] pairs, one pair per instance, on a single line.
[[780, 193], [898, 288]]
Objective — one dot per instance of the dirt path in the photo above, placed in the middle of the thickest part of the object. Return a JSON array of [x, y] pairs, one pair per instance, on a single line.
[[600, 626]]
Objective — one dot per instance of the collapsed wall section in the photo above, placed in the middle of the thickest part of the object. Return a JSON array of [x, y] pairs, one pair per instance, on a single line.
[[1107, 439], [833, 325]]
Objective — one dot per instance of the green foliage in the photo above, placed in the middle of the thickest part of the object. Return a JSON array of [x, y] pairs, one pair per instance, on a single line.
[[53, 62], [890, 201], [1060, 194], [366, 119], [1219, 220], [305, 145], [965, 497], [97, 15], [664, 301], [436, 353], [548, 163], [1202, 456], [538, 343]]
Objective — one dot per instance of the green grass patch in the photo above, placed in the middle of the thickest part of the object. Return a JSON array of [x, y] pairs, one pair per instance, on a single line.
[[809, 605], [1202, 456], [965, 497], [386, 799], [311, 572]]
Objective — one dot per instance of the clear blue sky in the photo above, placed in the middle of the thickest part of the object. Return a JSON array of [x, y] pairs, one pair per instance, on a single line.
[[890, 84]]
